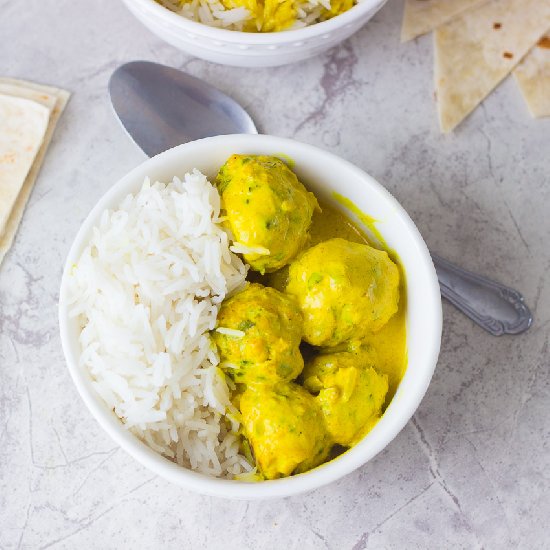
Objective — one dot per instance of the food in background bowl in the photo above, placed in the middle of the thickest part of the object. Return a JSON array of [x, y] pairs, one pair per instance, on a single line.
[[258, 16], [203, 366]]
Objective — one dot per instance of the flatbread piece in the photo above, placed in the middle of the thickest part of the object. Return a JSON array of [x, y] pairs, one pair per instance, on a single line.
[[533, 78], [23, 124], [44, 95], [476, 51], [423, 16]]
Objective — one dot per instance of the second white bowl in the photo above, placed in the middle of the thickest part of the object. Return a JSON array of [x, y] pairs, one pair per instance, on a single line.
[[244, 49]]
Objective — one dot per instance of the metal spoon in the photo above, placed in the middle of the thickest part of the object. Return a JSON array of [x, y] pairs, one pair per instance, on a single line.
[[161, 107]]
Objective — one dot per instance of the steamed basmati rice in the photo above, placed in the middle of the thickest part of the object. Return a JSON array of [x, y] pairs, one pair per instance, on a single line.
[[240, 248], [146, 292]]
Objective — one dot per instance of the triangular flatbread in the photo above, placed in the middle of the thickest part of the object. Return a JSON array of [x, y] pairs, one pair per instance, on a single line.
[[476, 51], [423, 16], [23, 123], [40, 94], [533, 78]]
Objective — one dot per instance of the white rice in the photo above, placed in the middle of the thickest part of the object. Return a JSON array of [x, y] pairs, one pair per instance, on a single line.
[[240, 248], [215, 14], [231, 332], [146, 292]]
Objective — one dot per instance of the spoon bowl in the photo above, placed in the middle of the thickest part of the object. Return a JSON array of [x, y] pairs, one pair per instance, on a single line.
[[161, 107]]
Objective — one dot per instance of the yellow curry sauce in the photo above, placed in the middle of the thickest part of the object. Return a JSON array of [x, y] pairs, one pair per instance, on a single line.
[[390, 342], [337, 291]]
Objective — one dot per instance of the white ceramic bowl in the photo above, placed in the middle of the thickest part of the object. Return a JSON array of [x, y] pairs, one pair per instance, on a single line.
[[245, 49], [323, 173]]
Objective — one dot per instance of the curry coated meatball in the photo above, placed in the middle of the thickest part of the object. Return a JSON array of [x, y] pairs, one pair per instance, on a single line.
[[268, 210], [284, 426], [258, 336], [345, 290], [349, 391]]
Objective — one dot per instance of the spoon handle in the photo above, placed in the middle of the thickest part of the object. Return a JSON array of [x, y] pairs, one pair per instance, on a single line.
[[495, 307]]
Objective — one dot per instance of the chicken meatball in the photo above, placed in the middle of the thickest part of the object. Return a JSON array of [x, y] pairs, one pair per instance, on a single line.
[[258, 336], [268, 210], [284, 426], [345, 290], [349, 392]]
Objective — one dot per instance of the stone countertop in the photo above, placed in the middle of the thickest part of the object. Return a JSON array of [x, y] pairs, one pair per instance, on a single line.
[[469, 471]]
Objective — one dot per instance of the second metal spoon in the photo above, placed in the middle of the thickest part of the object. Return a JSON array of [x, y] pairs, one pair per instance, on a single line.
[[161, 107]]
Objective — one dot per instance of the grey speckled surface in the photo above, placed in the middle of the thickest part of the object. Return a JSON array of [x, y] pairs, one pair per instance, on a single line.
[[470, 471]]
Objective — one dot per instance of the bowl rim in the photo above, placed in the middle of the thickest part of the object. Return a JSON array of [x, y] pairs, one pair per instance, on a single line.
[[313, 479], [261, 39]]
